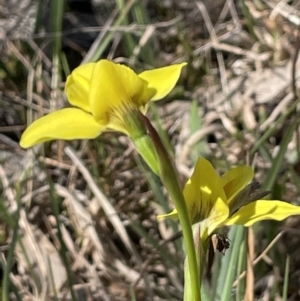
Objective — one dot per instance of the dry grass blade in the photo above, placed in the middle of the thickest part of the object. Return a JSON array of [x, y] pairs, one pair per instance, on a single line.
[[262, 255], [9, 192], [82, 221], [111, 215], [214, 39], [105, 36], [104, 203], [249, 296], [241, 56], [40, 259]]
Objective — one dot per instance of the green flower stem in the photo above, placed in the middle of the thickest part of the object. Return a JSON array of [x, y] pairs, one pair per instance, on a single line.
[[143, 142], [201, 248], [146, 149], [170, 180]]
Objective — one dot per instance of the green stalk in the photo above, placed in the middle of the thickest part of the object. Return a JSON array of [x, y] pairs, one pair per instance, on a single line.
[[141, 139], [201, 247], [170, 180], [145, 147]]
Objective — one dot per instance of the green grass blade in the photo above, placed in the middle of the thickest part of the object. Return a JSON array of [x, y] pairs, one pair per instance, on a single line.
[[229, 264], [286, 279], [278, 160], [241, 285], [295, 178], [129, 42], [57, 17], [140, 17], [205, 295], [103, 40], [268, 133], [249, 18]]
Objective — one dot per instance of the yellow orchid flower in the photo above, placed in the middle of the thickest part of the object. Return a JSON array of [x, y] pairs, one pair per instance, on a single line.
[[105, 96], [216, 201]]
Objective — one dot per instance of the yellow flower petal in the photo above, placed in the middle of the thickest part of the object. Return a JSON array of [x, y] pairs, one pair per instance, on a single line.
[[113, 87], [65, 124], [235, 180], [162, 80], [173, 214], [205, 196], [262, 210], [78, 86]]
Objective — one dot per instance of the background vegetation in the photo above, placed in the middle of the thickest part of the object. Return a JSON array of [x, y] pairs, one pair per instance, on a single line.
[[78, 219]]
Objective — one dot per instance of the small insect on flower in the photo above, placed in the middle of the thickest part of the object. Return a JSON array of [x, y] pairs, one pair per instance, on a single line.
[[216, 201], [218, 242]]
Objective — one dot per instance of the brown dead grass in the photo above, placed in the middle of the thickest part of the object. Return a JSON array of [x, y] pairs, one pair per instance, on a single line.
[[241, 75]]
